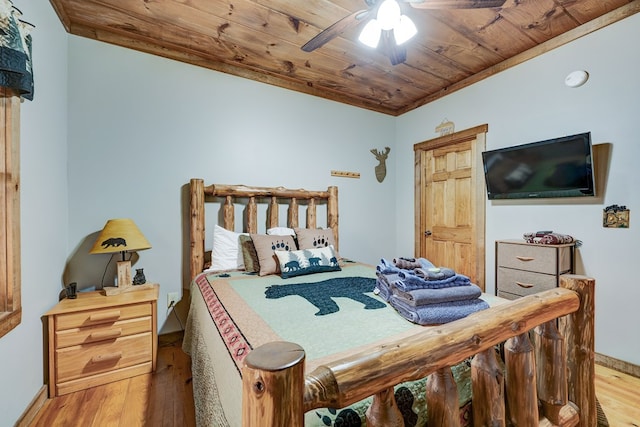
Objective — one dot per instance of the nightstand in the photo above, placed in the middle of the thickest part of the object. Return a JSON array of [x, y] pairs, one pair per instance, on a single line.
[[527, 268], [96, 339]]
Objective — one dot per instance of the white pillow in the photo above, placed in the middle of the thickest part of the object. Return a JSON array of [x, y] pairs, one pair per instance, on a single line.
[[281, 231], [226, 253]]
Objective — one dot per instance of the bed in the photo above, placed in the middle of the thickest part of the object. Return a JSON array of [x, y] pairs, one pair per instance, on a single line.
[[293, 361]]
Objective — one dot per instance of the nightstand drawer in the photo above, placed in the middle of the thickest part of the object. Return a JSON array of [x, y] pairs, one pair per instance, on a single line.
[[104, 332], [539, 258], [89, 359], [523, 283], [105, 315]]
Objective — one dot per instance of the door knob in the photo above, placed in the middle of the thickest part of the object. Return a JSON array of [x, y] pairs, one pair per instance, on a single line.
[[427, 233]]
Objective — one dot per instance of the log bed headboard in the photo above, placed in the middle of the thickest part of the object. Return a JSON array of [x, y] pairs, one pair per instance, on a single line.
[[199, 194]]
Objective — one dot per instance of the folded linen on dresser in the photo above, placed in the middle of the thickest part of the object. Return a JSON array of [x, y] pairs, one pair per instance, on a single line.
[[418, 297], [408, 282], [437, 314]]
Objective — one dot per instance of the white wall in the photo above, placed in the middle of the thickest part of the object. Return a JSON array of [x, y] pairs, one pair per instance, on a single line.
[[43, 216], [529, 103], [141, 126]]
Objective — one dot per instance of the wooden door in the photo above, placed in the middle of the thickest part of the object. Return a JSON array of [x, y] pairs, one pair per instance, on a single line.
[[450, 202]]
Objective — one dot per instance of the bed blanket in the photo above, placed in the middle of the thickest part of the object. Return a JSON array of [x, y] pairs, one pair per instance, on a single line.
[[250, 311]]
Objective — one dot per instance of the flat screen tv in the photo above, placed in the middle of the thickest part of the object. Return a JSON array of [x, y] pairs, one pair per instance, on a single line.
[[558, 167]]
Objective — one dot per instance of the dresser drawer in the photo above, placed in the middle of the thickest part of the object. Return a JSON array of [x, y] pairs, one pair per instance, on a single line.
[[523, 283], [90, 359], [105, 315], [538, 258], [109, 331]]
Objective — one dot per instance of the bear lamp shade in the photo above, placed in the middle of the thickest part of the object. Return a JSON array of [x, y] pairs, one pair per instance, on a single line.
[[120, 235]]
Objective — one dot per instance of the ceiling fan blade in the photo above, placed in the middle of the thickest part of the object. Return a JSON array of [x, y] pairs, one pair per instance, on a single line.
[[349, 21], [456, 4]]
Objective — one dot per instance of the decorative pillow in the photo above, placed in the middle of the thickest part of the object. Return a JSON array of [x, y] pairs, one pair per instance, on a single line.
[[266, 246], [307, 261], [311, 238], [249, 254], [281, 231], [226, 253]]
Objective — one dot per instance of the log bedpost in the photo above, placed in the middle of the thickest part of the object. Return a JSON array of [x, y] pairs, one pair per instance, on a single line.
[[252, 216], [273, 212], [292, 215], [487, 388], [273, 386], [442, 399], [384, 411], [228, 214], [332, 212], [311, 214], [522, 397], [577, 329], [551, 366], [196, 206]]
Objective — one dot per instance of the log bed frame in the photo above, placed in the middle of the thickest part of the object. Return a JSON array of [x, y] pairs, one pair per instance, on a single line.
[[533, 358]]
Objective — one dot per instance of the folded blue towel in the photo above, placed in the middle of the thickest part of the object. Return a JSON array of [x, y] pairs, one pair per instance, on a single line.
[[410, 282], [384, 284], [418, 297], [437, 314], [386, 267]]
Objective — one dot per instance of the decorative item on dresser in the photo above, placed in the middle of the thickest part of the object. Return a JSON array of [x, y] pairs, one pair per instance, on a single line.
[[121, 235], [527, 268], [94, 340]]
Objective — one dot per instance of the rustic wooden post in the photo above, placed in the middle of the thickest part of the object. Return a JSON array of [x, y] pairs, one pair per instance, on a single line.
[[487, 389], [551, 368], [292, 215], [332, 212], [196, 206], [578, 331], [273, 386], [228, 214], [252, 216], [311, 214], [273, 212], [384, 411], [442, 399], [522, 398]]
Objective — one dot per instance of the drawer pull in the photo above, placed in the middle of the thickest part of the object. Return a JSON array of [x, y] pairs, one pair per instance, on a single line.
[[524, 285], [101, 317], [525, 258], [104, 335], [109, 357]]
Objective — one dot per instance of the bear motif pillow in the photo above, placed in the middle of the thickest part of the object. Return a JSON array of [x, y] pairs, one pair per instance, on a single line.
[[307, 261]]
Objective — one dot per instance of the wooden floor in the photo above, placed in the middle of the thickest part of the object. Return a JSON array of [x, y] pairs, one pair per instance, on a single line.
[[165, 398]]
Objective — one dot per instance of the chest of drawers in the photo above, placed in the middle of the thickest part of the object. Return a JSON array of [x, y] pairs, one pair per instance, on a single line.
[[96, 339], [524, 268]]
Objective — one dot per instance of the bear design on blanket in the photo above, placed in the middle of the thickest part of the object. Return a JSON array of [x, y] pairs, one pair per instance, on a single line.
[[321, 294]]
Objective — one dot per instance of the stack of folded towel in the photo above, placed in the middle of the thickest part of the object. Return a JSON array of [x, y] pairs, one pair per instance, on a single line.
[[425, 294]]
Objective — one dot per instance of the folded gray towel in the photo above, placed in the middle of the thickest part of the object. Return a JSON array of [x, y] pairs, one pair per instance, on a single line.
[[434, 273], [406, 263], [437, 314], [418, 297]]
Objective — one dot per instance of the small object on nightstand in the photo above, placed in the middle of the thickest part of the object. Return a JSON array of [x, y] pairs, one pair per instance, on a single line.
[[71, 290], [139, 278]]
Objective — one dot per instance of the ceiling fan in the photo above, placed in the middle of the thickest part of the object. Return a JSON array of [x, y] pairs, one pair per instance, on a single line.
[[389, 32]]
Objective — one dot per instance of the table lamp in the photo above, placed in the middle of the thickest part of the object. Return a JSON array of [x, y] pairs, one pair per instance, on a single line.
[[120, 235]]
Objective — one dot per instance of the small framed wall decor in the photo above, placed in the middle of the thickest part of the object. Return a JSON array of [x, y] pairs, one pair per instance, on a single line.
[[615, 216]]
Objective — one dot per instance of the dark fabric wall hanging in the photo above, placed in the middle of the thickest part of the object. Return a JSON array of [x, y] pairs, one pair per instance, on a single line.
[[16, 70]]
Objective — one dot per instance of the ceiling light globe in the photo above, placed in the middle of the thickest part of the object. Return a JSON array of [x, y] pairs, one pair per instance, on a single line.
[[370, 34], [404, 30], [389, 14]]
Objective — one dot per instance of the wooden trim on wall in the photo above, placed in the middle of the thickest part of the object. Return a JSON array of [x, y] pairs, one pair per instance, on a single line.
[[10, 300], [618, 365]]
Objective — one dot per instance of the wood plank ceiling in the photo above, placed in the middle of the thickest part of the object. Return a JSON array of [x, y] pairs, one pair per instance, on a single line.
[[261, 40]]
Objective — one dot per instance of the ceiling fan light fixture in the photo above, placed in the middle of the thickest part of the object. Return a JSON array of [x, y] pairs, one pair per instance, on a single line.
[[404, 30], [389, 14], [370, 34]]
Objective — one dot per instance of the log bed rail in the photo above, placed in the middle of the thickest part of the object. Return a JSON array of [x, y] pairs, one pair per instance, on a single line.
[[545, 378]]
